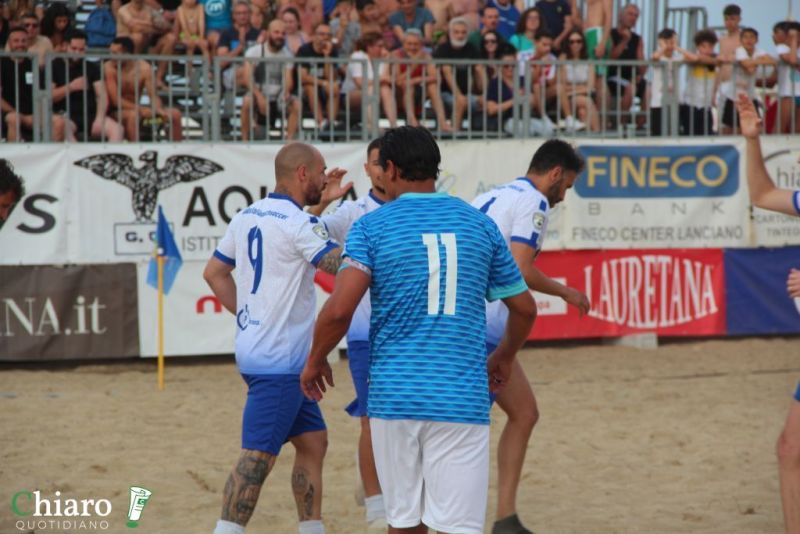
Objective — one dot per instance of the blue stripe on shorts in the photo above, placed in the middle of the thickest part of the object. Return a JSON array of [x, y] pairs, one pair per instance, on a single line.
[[358, 359], [276, 411]]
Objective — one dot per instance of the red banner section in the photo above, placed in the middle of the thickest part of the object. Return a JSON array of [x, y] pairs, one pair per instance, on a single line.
[[671, 292]]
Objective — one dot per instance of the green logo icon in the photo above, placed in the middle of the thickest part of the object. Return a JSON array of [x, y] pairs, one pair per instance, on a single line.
[[139, 497]]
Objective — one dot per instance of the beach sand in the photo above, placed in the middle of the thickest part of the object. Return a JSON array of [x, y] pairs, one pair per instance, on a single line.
[[676, 439]]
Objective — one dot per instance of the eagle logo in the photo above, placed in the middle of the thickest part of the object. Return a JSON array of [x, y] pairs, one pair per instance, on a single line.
[[146, 181]]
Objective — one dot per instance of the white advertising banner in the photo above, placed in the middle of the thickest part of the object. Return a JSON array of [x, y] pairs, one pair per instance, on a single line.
[[782, 158]]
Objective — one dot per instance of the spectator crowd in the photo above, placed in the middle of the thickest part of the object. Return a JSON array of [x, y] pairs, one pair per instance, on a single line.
[[498, 65]]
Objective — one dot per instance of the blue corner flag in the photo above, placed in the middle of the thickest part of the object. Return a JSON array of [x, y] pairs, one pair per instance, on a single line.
[[167, 248]]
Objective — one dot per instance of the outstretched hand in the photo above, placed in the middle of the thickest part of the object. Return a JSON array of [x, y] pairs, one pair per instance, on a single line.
[[334, 190], [750, 122], [314, 377]]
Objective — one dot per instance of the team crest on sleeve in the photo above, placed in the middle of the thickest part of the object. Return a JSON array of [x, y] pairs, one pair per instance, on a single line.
[[538, 220], [320, 230]]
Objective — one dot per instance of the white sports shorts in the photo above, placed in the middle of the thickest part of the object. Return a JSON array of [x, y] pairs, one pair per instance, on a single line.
[[433, 472]]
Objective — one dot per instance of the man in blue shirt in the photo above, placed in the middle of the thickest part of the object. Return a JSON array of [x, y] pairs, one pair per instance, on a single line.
[[429, 260]]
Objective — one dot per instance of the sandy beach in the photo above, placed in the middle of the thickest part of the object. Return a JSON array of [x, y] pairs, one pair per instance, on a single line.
[[676, 439]]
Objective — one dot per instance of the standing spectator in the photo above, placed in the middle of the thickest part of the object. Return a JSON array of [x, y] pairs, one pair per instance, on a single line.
[[413, 81], [345, 27], [190, 24], [18, 81], [728, 44], [509, 17], [577, 85], [143, 25], [218, 19], [459, 80], [748, 58], [597, 31], [490, 18], [664, 87], [529, 23], [359, 83], [625, 82], [320, 81], [295, 37], [442, 11], [37, 44], [409, 16], [56, 25], [80, 95], [701, 86], [233, 43], [270, 85], [786, 50], [126, 80], [557, 18]]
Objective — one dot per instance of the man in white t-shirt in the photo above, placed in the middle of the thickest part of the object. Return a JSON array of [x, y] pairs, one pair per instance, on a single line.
[[263, 272], [743, 80], [785, 36], [764, 194], [270, 85]]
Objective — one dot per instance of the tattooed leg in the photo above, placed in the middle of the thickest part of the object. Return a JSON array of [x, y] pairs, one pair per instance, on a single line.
[[307, 473], [244, 485]]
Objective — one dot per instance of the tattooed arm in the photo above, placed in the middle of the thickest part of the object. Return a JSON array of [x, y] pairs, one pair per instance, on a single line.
[[331, 261]]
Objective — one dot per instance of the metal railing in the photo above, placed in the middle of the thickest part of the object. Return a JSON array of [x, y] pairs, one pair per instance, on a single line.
[[274, 99]]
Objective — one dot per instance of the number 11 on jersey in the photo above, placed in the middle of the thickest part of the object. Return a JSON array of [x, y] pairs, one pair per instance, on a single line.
[[431, 241]]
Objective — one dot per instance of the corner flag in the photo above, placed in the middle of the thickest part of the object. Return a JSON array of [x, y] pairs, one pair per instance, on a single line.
[[169, 250]]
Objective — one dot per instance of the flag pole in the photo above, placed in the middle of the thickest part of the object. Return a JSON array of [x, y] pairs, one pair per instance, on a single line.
[[160, 320]]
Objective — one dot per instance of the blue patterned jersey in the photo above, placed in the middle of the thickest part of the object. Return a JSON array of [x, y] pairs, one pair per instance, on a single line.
[[433, 260]]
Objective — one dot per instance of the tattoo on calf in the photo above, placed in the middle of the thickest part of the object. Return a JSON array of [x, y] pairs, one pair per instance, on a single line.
[[303, 493], [244, 485]]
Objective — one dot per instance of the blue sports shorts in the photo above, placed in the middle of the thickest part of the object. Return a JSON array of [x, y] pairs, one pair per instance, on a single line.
[[276, 411], [797, 393], [358, 359]]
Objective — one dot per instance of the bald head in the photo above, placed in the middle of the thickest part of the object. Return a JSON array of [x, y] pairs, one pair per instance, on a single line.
[[291, 157]]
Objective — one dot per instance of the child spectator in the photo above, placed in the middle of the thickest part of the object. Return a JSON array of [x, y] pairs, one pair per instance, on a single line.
[[728, 43], [663, 88], [543, 74], [56, 24], [190, 23], [748, 59], [785, 37], [701, 86], [529, 23]]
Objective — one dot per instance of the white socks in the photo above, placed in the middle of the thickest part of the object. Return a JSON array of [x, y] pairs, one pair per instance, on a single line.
[[312, 527], [228, 527], [375, 508]]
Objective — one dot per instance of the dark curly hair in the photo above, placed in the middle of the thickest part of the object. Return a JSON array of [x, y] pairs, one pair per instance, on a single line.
[[9, 180]]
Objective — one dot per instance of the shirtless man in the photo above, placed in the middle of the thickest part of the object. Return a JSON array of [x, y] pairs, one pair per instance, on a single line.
[[125, 80], [728, 43], [442, 11], [142, 24], [598, 28]]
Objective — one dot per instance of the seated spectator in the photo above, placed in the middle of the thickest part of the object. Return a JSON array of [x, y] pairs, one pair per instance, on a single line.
[[79, 95], [577, 85], [37, 44], [233, 43], [787, 51], [345, 27], [357, 83], [19, 8], [411, 16], [417, 80], [16, 103], [56, 24], [310, 13], [493, 47], [126, 80], [699, 95], [270, 85], [529, 23], [625, 82], [664, 86], [459, 80], [295, 37], [503, 94], [190, 24], [320, 81], [543, 75], [490, 18], [143, 25], [557, 18], [218, 18], [259, 21], [748, 58], [372, 20], [509, 17]]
